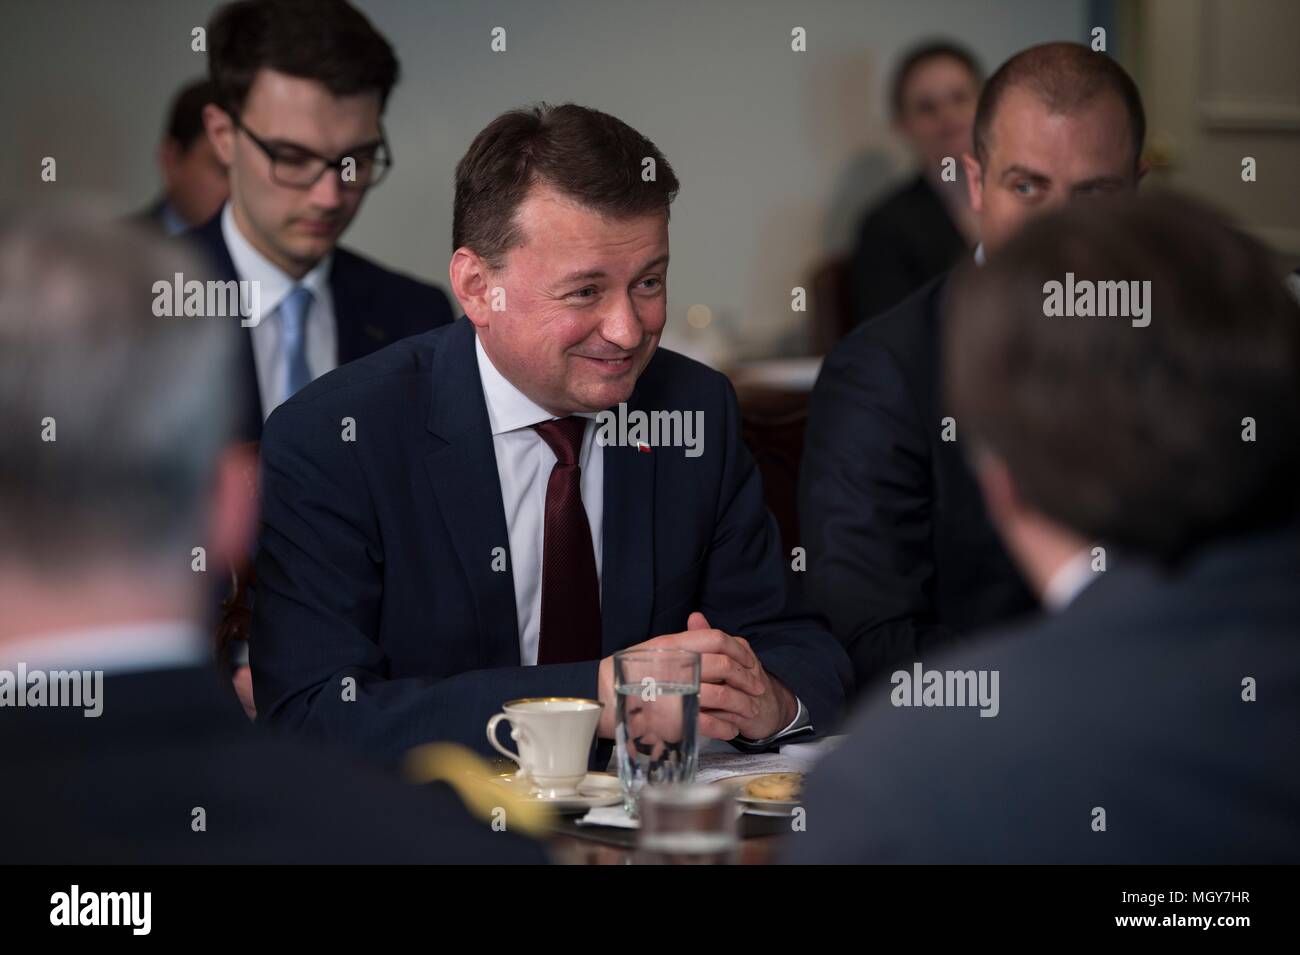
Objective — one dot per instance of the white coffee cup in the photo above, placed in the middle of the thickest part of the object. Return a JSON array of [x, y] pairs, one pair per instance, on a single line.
[[554, 734]]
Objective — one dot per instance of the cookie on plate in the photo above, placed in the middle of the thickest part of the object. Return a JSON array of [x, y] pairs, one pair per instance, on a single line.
[[778, 787]]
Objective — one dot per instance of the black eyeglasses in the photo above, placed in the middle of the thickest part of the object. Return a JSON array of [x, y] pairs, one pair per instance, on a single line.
[[300, 168]]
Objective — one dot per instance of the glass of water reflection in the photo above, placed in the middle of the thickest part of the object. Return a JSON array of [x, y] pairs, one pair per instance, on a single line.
[[656, 719], [688, 824]]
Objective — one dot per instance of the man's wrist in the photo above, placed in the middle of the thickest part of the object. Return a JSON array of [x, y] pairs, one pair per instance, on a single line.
[[799, 725], [789, 704]]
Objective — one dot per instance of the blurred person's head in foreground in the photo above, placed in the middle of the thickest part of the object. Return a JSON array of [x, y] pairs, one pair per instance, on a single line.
[[1160, 439], [1056, 122], [561, 253], [194, 178], [113, 433], [113, 437], [932, 97], [301, 88]]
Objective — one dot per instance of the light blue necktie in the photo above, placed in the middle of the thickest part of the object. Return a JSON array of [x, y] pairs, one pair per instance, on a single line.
[[293, 326]]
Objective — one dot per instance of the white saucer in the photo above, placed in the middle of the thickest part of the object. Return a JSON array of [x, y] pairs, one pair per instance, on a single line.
[[758, 807], [595, 790]]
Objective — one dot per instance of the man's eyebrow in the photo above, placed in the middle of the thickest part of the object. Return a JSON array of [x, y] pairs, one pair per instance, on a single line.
[[653, 263], [290, 144], [1018, 170], [580, 276], [585, 275], [1098, 181]]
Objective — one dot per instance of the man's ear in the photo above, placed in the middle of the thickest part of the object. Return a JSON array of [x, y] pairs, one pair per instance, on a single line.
[[234, 505], [169, 155], [472, 284], [974, 182], [221, 131]]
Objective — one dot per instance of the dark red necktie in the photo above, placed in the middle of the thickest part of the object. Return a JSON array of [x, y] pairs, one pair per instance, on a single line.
[[570, 592]]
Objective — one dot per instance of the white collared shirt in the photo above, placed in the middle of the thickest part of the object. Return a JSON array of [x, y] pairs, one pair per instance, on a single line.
[[120, 648], [1070, 580], [268, 334], [171, 220], [524, 463]]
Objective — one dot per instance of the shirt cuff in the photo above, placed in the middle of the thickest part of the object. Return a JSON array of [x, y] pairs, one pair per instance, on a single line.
[[801, 725]]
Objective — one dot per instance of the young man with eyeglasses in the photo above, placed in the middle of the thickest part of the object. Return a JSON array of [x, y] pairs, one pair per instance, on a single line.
[[301, 89]]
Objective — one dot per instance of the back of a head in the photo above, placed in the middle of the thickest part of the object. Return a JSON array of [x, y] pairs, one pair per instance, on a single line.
[[1160, 437], [1065, 77], [113, 417], [185, 118]]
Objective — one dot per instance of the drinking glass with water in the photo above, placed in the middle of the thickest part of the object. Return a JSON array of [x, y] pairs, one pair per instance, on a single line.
[[656, 719]]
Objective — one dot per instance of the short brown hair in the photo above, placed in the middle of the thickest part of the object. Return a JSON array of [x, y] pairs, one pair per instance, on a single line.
[[142, 404], [589, 156], [1135, 435], [329, 41], [1065, 77], [185, 118]]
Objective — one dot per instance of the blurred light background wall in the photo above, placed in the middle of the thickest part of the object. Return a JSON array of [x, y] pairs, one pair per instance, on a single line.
[[778, 152]]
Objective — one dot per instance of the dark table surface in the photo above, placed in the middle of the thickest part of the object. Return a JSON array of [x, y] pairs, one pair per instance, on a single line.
[[572, 844]]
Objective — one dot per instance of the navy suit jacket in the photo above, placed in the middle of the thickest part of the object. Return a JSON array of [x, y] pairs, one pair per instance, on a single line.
[[901, 553], [1130, 700], [375, 557], [904, 242], [119, 789], [373, 307]]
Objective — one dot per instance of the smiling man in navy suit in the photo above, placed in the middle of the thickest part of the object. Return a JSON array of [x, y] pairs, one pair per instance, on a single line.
[[444, 530], [301, 88]]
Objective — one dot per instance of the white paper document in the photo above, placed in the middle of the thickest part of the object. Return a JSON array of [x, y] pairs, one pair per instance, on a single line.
[[720, 762]]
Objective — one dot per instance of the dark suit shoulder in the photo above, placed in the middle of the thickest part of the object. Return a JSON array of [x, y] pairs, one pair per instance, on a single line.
[[376, 305], [392, 377], [904, 337], [910, 325], [369, 271], [169, 740], [899, 204], [1130, 699], [671, 376], [376, 372]]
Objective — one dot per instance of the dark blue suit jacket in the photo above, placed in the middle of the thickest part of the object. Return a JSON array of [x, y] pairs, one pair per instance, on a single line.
[[373, 307], [902, 556], [903, 242], [375, 558], [110, 790], [1129, 700]]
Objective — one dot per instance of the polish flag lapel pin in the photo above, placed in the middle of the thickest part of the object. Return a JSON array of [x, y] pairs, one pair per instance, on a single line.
[[643, 447]]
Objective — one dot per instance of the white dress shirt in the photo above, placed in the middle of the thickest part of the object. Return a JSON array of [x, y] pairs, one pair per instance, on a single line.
[[1070, 580], [171, 220], [524, 463], [268, 334], [120, 648]]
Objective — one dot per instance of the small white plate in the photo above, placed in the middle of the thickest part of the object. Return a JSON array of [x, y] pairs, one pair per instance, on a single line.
[[758, 807], [595, 790]]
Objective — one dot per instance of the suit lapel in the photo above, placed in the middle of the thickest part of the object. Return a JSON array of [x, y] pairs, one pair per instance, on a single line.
[[355, 304], [348, 302], [467, 488], [627, 545], [213, 243]]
